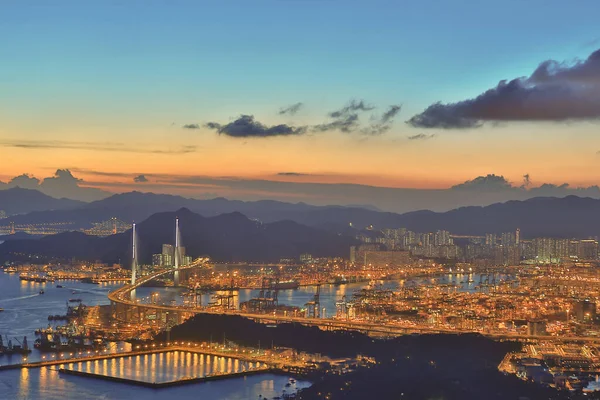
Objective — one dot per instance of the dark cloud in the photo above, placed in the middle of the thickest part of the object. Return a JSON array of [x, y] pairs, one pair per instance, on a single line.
[[191, 126], [247, 126], [554, 92], [140, 179], [96, 146], [346, 119], [291, 110], [421, 136]]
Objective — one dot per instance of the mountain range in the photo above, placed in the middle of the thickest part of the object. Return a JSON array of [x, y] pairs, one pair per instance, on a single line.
[[20, 201], [569, 216], [228, 237]]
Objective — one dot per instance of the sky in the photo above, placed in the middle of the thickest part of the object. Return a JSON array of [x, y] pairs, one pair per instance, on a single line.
[[182, 96]]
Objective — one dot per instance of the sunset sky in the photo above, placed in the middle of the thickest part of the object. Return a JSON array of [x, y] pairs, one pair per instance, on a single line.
[[116, 89]]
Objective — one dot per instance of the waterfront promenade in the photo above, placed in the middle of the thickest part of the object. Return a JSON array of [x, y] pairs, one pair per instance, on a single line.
[[269, 358]]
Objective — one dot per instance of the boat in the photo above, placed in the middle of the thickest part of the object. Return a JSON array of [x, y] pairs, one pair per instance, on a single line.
[[33, 278], [10, 270], [59, 286], [1, 309], [283, 285], [42, 291], [338, 280], [74, 300]]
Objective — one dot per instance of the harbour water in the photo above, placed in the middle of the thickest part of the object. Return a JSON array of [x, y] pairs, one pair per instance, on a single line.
[[25, 310], [47, 384], [329, 293]]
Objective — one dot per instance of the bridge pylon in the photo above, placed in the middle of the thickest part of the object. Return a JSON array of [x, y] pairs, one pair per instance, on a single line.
[[177, 254], [134, 259]]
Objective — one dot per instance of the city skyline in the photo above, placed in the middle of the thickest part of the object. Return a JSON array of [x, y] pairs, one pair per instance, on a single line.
[[184, 107], [300, 199]]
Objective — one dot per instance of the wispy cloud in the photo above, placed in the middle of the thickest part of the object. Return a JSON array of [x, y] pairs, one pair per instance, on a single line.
[[92, 146], [294, 174], [291, 110], [421, 136], [191, 126], [346, 119], [383, 123]]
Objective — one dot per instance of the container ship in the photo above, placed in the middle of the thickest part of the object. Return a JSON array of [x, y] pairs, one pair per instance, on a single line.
[[283, 285], [34, 278]]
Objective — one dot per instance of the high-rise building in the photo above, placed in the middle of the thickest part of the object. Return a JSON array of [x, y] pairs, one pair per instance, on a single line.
[[585, 311], [168, 249], [442, 238], [508, 239], [588, 249], [306, 258], [490, 239]]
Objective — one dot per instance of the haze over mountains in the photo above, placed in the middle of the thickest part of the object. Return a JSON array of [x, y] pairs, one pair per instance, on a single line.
[[21, 201], [569, 216], [296, 187], [227, 237]]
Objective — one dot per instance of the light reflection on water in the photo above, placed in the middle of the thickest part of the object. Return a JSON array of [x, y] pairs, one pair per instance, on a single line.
[[26, 310], [184, 364], [47, 384]]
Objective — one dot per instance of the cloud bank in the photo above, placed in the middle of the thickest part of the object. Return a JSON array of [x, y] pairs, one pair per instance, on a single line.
[[554, 92], [482, 190], [61, 184]]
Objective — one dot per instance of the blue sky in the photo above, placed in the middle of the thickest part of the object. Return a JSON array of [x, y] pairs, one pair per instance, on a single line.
[[183, 56], [122, 72]]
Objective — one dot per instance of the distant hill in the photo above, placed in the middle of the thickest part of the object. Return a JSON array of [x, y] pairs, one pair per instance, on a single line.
[[227, 237], [136, 206], [565, 217], [569, 216], [21, 201]]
